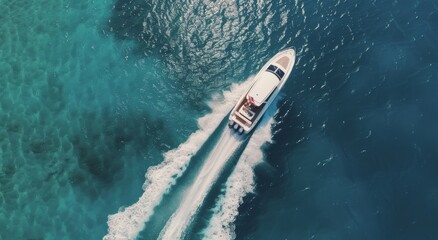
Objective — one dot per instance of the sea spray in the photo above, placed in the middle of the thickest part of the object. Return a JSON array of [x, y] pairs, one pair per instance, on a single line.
[[240, 183], [128, 222], [213, 166]]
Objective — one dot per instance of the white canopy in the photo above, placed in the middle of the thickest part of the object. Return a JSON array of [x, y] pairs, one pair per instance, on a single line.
[[263, 87]]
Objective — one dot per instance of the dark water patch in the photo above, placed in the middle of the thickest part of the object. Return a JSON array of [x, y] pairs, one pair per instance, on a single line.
[[346, 97], [366, 88], [407, 209], [433, 20], [126, 18], [102, 143], [311, 201], [13, 127], [38, 147]]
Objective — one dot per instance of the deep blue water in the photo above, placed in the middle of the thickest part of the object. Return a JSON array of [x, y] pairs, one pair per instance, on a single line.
[[93, 93]]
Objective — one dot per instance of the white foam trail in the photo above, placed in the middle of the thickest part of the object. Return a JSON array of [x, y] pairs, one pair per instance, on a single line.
[[194, 197], [239, 184], [127, 223]]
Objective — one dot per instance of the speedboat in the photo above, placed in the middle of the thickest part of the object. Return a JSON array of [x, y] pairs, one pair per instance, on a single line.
[[262, 92]]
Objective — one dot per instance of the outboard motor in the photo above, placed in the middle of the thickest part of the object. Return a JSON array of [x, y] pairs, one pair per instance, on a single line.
[[240, 130], [236, 126], [230, 123]]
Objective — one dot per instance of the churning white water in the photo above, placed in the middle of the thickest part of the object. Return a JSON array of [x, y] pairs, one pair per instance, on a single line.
[[241, 182], [194, 197], [128, 222]]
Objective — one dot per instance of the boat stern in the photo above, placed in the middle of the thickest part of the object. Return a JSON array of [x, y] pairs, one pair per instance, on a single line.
[[239, 125]]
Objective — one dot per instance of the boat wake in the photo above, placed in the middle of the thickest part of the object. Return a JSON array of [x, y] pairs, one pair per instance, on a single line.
[[239, 184], [208, 175], [128, 222]]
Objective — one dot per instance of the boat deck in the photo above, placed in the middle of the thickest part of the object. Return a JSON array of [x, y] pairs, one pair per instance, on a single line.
[[284, 62], [243, 119]]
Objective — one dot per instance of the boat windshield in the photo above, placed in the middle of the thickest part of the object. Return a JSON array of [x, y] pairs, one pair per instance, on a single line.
[[271, 68], [275, 70], [279, 73]]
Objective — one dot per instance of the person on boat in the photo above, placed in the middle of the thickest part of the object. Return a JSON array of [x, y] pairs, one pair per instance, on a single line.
[[249, 102]]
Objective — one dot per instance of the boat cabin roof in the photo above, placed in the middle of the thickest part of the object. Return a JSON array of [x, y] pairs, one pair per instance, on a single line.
[[263, 87]]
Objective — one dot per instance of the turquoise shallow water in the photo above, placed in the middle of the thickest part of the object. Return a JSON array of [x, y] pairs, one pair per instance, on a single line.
[[92, 93], [77, 123]]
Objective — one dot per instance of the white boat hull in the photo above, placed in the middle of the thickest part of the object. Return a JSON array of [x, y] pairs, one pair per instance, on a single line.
[[263, 90]]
